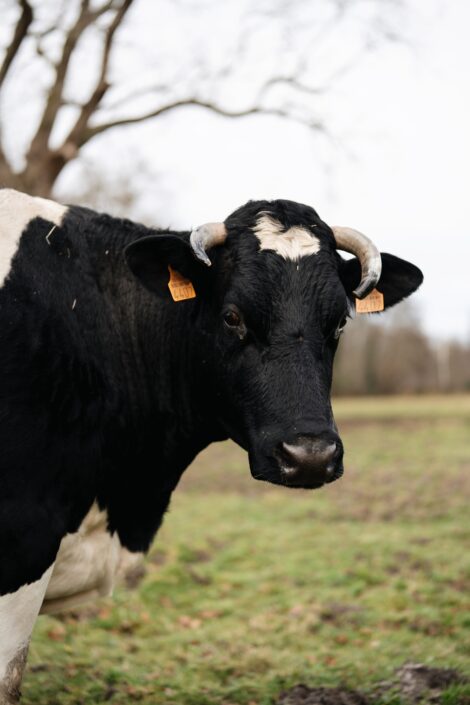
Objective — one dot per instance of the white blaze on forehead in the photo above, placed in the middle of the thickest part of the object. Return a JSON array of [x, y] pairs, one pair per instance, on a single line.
[[16, 211], [293, 243]]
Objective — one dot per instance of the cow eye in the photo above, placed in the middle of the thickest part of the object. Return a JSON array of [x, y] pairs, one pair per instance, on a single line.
[[232, 319]]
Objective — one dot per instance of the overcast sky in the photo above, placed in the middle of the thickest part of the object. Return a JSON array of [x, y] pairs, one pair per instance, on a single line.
[[398, 168]]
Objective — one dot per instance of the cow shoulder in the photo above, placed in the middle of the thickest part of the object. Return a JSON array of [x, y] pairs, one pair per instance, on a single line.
[[17, 210]]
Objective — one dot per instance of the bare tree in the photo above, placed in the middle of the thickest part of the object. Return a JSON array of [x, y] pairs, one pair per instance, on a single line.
[[285, 89]]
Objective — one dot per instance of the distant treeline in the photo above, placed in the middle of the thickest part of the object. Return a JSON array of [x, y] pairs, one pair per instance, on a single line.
[[397, 357]]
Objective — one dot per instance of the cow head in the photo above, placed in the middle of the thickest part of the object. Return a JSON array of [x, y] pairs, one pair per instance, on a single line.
[[273, 296]]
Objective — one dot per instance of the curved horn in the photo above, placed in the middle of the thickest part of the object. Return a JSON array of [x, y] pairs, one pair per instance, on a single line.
[[368, 255], [206, 236]]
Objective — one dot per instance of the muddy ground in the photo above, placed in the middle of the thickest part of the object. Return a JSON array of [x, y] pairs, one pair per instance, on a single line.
[[413, 684]]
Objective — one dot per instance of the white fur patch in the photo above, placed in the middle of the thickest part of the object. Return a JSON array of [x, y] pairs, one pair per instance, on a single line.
[[293, 243], [18, 613], [87, 564], [16, 211]]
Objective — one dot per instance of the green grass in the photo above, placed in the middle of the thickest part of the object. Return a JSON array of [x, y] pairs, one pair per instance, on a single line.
[[251, 589]]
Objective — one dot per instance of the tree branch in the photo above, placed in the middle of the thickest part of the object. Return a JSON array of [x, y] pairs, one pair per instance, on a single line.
[[101, 85], [91, 132], [21, 30], [291, 81], [132, 95], [86, 17]]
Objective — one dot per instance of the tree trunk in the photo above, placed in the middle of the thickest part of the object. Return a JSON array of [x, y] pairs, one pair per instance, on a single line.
[[39, 175]]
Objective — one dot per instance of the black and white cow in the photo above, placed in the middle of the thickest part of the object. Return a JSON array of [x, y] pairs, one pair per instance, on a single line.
[[109, 387]]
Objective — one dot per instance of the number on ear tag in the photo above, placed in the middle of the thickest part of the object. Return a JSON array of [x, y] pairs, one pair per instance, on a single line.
[[372, 303], [180, 288]]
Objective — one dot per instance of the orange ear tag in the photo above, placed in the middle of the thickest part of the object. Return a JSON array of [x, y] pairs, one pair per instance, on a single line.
[[180, 288], [372, 303]]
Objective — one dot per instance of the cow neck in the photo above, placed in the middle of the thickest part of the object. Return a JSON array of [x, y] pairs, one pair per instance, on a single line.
[[149, 349]]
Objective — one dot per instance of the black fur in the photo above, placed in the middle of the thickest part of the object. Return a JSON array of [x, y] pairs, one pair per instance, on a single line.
[[108, 391]]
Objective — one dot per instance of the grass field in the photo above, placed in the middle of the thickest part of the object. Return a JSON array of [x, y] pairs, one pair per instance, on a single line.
[[251, 589]]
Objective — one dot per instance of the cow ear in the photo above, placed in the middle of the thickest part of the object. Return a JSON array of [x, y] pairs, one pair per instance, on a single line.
[[149, 258], [398, 280]]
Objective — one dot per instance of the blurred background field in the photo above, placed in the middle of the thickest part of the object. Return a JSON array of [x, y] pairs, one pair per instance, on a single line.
[[250, 589]]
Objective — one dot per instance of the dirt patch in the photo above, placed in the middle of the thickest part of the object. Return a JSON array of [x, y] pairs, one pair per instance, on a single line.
[[302, 695], [341, 615], [417, 682], [413, 683]]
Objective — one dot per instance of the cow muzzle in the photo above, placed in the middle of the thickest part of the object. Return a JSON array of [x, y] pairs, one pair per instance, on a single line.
[[310, 461]]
